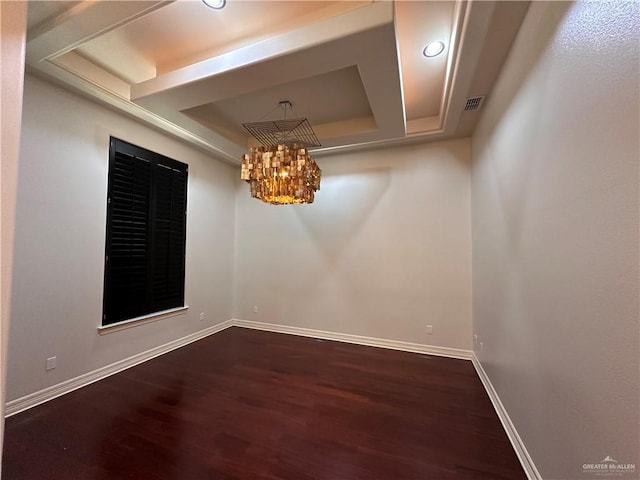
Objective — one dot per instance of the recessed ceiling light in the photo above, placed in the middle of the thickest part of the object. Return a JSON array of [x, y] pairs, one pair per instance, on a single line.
[[215, 4], [433, 49]]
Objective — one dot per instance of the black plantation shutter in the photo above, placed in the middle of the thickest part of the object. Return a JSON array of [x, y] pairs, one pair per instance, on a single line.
[[127, 272], [167, 264], [146, 230]]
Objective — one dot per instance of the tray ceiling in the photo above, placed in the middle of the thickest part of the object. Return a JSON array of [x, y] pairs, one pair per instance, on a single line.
[[355, 69]]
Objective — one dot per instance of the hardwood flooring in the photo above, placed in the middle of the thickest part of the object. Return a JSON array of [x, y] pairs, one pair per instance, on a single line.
[[244, 404]]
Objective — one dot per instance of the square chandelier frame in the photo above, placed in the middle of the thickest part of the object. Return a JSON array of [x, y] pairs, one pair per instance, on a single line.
[[284, 132]]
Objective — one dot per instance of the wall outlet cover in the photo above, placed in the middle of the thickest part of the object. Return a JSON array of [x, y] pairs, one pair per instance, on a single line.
[[51, 363]]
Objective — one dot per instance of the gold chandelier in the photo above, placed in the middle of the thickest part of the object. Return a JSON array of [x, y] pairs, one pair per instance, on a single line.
[[282, 171]]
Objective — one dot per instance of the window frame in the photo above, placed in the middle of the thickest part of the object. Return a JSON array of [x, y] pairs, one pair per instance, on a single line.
[[118, 147]]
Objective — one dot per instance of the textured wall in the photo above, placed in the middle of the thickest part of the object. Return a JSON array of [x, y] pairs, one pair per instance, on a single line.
[[60, 235], [383, 251], [13, 33], [555, 235]]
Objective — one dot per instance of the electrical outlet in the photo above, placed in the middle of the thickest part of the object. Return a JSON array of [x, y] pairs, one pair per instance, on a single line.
[[475, 339], [201, 316], [255, 309], [429, 329], [481, 346], [51, 363]]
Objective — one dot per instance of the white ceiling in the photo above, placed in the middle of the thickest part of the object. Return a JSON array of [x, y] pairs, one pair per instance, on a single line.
[[355, 69]]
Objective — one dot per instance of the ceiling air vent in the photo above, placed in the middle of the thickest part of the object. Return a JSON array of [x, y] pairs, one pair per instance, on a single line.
[[473, 103]]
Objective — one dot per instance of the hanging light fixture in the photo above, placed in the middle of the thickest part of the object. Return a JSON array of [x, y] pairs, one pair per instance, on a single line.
[[282, 171]]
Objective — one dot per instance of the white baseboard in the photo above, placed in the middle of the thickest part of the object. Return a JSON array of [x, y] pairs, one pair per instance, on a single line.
[[23, 403], [518, 445], [357, 339]]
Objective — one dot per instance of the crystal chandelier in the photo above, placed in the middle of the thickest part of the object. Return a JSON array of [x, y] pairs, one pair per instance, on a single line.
[[282, 171]]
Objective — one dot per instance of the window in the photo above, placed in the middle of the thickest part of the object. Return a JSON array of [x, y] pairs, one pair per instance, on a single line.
[[146, 233]]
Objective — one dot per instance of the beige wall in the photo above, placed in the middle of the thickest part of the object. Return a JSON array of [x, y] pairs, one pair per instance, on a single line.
[[555, 235], [13, 32], [383, 251], [60, 235]]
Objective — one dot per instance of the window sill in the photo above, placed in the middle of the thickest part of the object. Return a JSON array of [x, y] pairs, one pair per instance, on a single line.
[[134, 322]]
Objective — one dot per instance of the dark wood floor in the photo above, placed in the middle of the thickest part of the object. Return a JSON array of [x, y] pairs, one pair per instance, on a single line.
[[244, 404]]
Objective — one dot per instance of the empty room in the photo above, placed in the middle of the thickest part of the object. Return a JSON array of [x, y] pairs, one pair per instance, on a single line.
[[320, 240]]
